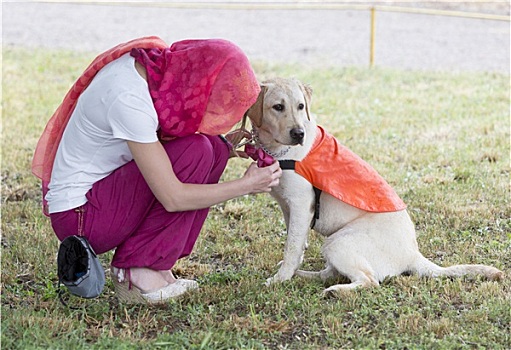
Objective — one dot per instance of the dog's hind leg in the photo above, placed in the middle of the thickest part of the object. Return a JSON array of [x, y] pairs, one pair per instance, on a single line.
[[345, 253], [323, 275], [359, 279], [424, 267]]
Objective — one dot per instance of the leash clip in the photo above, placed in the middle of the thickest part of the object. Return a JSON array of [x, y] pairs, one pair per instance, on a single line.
[[238, 142]]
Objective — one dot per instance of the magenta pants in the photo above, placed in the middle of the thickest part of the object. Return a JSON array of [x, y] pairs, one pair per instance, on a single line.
[[123, 214]]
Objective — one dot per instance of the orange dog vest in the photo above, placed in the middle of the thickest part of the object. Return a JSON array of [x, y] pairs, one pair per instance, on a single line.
[[334, 169]]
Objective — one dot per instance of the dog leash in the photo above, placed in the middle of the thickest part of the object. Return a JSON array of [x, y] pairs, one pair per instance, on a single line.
[[253, 148], [240, 143]]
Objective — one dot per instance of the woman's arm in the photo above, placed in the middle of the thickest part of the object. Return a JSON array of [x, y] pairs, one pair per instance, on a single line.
[[174, 195]]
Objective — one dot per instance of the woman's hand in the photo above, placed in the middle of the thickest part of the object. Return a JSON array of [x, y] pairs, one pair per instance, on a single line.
[[262, 179]]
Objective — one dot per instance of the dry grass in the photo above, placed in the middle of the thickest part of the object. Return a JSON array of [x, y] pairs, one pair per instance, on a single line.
[[442, 139]]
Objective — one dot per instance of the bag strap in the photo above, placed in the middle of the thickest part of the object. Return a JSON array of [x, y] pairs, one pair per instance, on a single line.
[[60, 292]]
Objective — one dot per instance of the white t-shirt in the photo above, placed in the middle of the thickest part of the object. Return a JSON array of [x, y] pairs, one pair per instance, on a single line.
[[116, 107]]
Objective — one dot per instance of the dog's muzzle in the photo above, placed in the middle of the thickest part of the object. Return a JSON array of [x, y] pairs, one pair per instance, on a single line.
[[297, 135]]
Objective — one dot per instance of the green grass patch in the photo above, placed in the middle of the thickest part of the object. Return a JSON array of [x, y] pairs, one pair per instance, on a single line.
[[440, 138]]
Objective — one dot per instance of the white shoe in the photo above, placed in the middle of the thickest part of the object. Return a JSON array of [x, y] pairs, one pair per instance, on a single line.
[[191, 284], [132, 295], [170, 291]]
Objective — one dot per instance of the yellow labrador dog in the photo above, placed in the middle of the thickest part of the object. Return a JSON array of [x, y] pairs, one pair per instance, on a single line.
[[362, 245]]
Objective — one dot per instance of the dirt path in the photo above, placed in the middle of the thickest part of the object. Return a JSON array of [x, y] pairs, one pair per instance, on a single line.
[[409, 41]]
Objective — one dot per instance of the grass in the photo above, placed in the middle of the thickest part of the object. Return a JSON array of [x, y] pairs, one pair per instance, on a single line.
[[440, 138]]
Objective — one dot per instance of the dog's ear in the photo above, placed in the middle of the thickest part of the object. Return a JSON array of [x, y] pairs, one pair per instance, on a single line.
[[307, 93], [255, 113]]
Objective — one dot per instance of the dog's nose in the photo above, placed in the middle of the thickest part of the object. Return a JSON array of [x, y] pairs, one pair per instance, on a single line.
[[297, 134]]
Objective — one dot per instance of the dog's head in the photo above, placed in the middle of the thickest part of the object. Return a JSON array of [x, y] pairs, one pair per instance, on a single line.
[[280, 112]]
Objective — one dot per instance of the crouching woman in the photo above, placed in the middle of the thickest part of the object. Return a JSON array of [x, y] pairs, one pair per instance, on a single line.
[[132, 158]]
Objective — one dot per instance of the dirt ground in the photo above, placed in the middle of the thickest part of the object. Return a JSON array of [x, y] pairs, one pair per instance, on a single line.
[[315, 37]]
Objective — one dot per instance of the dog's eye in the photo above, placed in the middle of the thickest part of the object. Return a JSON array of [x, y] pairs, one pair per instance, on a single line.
[[278, 107], [301, 106]]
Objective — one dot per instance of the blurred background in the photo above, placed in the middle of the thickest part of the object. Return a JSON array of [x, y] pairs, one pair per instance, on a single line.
[[430, 35]]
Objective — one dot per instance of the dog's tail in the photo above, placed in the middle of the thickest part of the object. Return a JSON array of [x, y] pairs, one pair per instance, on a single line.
[[424, 267]]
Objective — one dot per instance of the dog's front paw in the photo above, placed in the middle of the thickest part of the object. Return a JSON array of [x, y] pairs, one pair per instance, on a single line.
[[269, 282], [275, 279], [272, 280]]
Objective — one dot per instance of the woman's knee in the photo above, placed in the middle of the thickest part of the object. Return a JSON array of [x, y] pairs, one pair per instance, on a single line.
[[200, 149], [192, 158], [221, 146], [190, 146], [198, 146]]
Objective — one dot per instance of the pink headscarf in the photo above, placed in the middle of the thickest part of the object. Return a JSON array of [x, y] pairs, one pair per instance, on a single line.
[[199, 86]]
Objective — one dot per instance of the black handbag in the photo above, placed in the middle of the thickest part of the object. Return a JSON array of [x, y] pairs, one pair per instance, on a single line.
[[79, 268]]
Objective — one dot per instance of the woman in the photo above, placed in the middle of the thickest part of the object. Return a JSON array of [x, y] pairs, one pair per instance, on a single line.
[[138, 162]]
